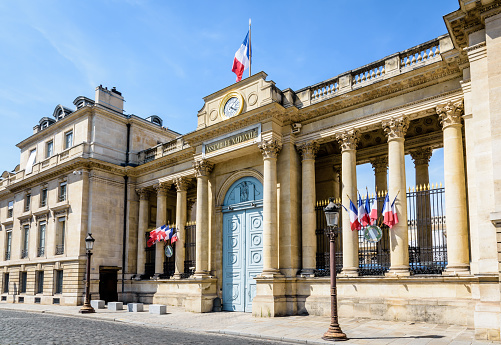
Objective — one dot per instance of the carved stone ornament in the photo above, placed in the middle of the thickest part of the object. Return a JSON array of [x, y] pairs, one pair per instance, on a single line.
[[181, 184], [450, 114], [380, 164], [143, 193], [396, 128], [422, 155], [270, 148], [348, 140], [202, 167], [309, 150], [162, 188]]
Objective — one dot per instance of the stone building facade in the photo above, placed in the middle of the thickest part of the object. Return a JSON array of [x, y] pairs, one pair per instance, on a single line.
[[245, 191]]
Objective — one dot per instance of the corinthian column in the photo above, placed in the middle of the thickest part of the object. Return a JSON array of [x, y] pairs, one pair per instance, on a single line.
[[141, 231], [309, 240], [455, 191], [270, 150], [348, 142], [161, 189], [181, 187], [202, 170], [399, 246]]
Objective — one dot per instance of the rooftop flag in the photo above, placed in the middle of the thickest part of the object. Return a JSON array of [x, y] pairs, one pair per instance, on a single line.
[[242, 57]]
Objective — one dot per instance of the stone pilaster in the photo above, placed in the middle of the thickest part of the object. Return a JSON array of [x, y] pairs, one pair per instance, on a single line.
[[270, 150], [308, 199], [181, 202], [348, 141], [395, 130], [161, 190], [455, 189], [202, 170], [141, 230]]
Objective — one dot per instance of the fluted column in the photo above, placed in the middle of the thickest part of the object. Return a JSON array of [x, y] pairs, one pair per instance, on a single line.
[[399, 247], [142, 227], [348, 142], [202, 170], [270, 150], [308, 222], [380, 166], [336, 183], [161, 220], [181, 187], [421, 159], [455, 191]]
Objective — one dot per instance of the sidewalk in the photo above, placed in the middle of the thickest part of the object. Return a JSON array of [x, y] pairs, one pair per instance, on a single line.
[[296, 329]]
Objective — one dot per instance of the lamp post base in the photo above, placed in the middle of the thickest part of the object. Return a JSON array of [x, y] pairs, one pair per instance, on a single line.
[[334, 333], [86, 309]]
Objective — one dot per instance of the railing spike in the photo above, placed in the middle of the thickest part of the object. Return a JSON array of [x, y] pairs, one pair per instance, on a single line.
[[440, 184], [428, 186]]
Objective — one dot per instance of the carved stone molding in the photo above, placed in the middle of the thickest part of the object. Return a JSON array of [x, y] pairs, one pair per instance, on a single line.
[[182, 184], [395, 128], [422, 155], [308, 150], [270, 148], [380, 164], [143, 193], [202, 167], [162, 188], [348, 140], [450, 114]]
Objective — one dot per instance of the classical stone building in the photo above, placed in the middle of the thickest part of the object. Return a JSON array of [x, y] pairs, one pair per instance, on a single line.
[[246, 189]]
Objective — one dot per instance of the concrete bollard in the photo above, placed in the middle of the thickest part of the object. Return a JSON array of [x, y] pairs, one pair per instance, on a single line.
[[97, 304], [158, 309], [135, 307], [114, 306]]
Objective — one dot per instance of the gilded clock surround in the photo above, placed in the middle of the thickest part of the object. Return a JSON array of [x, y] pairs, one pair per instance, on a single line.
[[225, 99]]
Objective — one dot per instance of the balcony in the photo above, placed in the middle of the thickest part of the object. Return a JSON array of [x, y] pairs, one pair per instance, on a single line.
[[24, 254], [59, 249], [41, 252], [7, 256]]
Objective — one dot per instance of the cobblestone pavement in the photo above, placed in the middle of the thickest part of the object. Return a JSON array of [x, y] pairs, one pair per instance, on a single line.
[[18, 327]]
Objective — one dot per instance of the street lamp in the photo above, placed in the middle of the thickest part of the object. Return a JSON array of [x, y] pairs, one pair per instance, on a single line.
[[331, 211], [89, 244]]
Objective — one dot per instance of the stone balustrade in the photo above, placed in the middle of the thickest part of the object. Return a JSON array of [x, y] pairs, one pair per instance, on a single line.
[[161, 150]]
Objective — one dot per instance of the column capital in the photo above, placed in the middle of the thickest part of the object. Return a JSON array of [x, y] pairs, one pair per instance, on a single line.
[[450, 114], [202, 167], [395, 128], [143, 193], [161, 188], [270, 148], [348, 140], [189, 204], [422, 155], [380, 164], [308, 150], [182, 184]]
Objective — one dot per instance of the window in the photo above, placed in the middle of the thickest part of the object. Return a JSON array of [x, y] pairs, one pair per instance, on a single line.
[[41, 239], [68, 140], [5, 283], [60, 230], [10, 209], [39, 279], [50, 149], [43, 197], [26, 237], [59, 281], [23, 278], [31, 161], [62, 191], [8, 244], [27, 202]]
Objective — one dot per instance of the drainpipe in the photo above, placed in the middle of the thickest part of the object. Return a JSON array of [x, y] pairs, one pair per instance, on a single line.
[[124, 235]]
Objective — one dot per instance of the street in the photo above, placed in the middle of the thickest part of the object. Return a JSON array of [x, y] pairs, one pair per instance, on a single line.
[[18, 327]]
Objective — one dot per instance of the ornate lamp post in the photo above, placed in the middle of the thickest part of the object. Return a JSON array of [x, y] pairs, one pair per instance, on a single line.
[[331, 211], [89, 244]]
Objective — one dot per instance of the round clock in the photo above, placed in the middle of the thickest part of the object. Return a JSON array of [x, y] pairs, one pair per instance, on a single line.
[[231, 105]]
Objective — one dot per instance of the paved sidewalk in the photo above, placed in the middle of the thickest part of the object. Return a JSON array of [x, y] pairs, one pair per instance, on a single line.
[[294, 329]]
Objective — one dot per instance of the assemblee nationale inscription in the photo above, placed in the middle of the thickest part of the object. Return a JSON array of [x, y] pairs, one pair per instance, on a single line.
[[233, 140]]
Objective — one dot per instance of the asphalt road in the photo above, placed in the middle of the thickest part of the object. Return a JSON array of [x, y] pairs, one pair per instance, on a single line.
[[37, 328]]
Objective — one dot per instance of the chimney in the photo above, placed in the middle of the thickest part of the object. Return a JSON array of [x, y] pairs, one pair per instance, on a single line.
[[111, 99]]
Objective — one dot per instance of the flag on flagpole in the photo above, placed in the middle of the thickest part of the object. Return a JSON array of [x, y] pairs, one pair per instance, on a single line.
[[367, 218], [373, 213], [241, 61], [174, 238], [394, 213], [387, 214], [355, 224], [362, 212]]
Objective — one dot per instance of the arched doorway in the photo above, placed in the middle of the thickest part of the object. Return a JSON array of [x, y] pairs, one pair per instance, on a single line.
[[242, 243]]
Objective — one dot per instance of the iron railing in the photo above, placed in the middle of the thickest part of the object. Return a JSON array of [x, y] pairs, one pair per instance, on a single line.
[[190, 250], [40, 252], [24, 254], [59, 249], [323, 246]]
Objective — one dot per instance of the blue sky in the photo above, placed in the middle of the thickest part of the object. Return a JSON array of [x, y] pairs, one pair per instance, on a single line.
[[165, 56]]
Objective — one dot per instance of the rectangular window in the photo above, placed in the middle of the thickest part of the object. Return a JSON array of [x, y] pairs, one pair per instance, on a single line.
[[27, 202], [50, 149], [59, 282], [31, 161], [5, 283], [62, 191], [41, 239], [68, 140], [39, 279], [23, 278], [60, 233], [8, 244], [26, 237], [43, 197], [10, 209]]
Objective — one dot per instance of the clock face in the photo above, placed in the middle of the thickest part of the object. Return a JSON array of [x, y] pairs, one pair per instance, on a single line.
[[232, 107]]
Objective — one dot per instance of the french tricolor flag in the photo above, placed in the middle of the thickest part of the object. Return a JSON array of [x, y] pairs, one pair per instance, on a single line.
[[394, 213], [355, 224], [387, 214], [373, 213], [242, 58]]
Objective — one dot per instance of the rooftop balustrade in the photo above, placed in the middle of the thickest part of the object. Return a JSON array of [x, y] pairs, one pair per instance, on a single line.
[[161, 150]]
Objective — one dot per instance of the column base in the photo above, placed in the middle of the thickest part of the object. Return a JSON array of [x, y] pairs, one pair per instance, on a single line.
[[349, 272], [307, 273], [457, 270], [201, 275], [398, 271], [270, 299], [176, 276], [271, 273]]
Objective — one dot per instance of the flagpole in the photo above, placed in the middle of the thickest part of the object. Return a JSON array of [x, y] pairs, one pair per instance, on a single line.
[[250, 49]]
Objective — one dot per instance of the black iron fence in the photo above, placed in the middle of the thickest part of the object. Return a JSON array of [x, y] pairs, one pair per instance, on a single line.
[[323, 244], [189, 247]]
